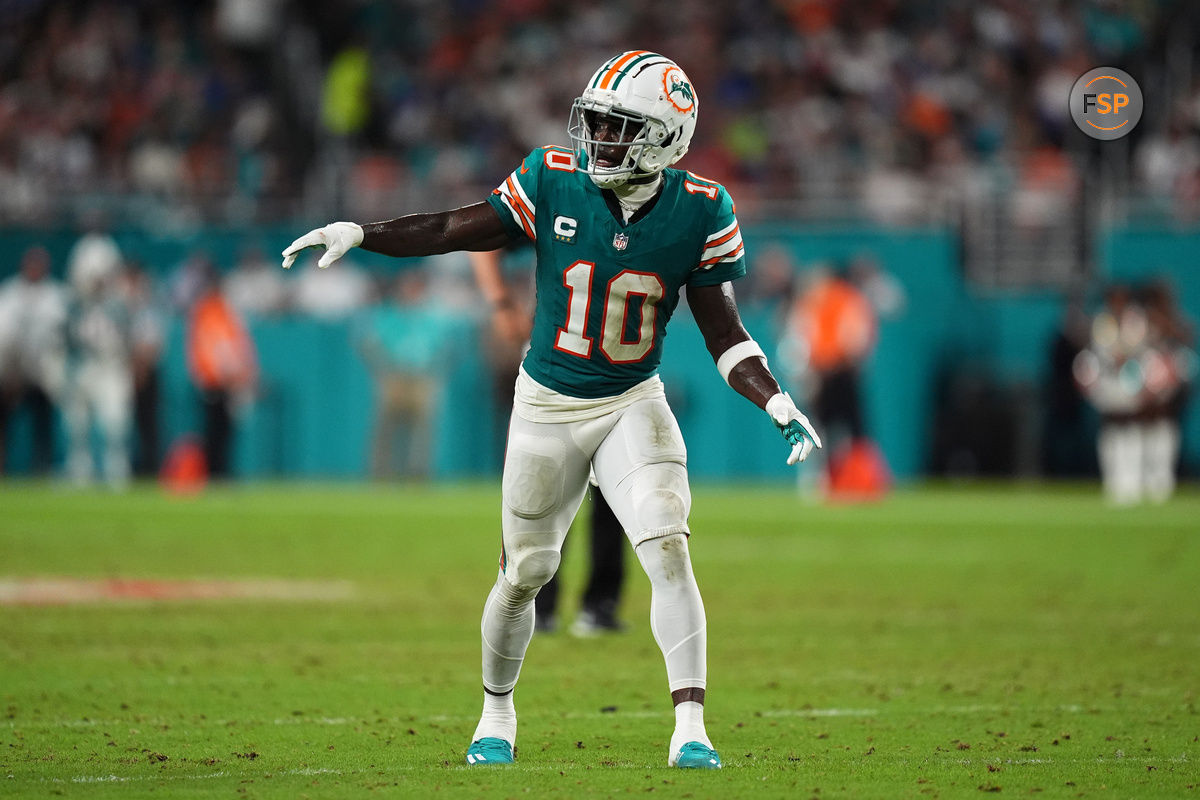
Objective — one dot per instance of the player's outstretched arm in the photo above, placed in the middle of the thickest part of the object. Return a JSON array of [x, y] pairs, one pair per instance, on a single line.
[[473, 227], [743, 365]]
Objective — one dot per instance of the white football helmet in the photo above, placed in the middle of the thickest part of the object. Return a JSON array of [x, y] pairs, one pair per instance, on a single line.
[[652, 101]]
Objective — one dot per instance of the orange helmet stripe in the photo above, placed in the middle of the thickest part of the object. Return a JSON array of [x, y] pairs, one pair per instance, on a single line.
[[617, 67]]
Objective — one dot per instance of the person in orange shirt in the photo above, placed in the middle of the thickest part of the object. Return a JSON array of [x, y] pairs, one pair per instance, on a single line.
[[223, 365], [837, 322], [834, 327]]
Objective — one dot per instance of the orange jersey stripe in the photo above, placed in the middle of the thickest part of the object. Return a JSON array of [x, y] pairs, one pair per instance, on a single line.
[[523, 211], [517, 212], [730, 254], [723, 239], [516, 196]]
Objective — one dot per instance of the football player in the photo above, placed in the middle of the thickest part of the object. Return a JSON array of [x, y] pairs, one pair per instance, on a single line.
[[618, 235]]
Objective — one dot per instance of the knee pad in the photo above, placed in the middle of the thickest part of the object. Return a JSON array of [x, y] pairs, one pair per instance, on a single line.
[[534, 471], [661, 500], [529, 562]]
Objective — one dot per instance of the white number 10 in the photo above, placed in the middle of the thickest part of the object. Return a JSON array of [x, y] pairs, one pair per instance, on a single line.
[[573, 338]]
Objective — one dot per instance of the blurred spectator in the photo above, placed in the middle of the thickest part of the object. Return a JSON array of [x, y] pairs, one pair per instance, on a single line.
[[831, 332], [331, 293], [256, 287], [1065, 437], [771, 282], [223, 364], [249, 25], [505, 338], [33, 314], [147, 331], [406, 341], [835, 325], [256, 109], [99, 386], [882, 290], [346, 103], [189, 280]]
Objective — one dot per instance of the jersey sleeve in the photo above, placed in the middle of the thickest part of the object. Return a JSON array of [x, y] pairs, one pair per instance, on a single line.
[[723, 256], [515, 200]]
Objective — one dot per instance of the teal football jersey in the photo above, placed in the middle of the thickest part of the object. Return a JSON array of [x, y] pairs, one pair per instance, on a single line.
[[605, 288]]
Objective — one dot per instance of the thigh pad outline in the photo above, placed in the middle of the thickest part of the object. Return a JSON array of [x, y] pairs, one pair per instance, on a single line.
[[534, 471]]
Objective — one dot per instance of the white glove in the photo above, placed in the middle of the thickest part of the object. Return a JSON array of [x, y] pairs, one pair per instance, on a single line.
[[794, 426], [337, 238]]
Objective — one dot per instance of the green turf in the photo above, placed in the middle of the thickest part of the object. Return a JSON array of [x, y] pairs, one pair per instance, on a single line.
[[946, 642]]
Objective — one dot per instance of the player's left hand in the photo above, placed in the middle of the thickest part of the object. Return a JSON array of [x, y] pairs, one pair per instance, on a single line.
[[337, 238], [794, 426]]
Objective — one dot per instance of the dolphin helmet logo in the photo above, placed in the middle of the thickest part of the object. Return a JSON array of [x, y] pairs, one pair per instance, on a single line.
[[679, 91]]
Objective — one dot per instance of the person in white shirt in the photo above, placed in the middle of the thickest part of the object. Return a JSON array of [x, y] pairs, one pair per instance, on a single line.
[[33, 311]]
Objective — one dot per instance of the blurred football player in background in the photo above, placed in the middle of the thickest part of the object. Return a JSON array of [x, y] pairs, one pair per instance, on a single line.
[[606, 573], [99, 386], [1135, 371], [618, 236]]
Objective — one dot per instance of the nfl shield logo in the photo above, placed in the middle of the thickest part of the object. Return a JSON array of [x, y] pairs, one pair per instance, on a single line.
[[620, 241]]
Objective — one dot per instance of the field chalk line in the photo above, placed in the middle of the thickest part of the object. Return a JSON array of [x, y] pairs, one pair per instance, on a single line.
[[805, 713]]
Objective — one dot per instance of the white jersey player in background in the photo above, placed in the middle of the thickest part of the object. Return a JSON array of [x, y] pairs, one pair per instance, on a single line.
[[99, 385]]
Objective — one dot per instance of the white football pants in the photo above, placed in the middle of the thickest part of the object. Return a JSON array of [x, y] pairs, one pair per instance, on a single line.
[[99, 392], [639, 460], [1137, 460]]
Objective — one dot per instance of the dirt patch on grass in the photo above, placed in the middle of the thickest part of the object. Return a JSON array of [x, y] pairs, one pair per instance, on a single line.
[[69, 591]]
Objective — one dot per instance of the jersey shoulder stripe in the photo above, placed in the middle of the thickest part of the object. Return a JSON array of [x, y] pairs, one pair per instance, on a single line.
[[516, 198], [726, 258], [516, 201], [722, 235], [722, 243]]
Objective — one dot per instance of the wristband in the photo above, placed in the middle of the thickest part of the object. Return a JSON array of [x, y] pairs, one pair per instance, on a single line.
[[737, 354]]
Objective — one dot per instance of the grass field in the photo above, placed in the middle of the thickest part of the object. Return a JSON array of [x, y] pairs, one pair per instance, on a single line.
[[946, 642]]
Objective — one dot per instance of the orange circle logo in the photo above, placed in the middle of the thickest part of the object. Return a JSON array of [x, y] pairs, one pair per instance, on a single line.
[[1106, 103], [678, 90]]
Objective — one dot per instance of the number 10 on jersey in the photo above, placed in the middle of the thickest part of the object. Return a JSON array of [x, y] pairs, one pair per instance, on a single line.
[[573, 337]]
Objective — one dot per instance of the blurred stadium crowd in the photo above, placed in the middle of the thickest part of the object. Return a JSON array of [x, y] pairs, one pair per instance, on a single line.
[[259, 110], [170, 116]]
